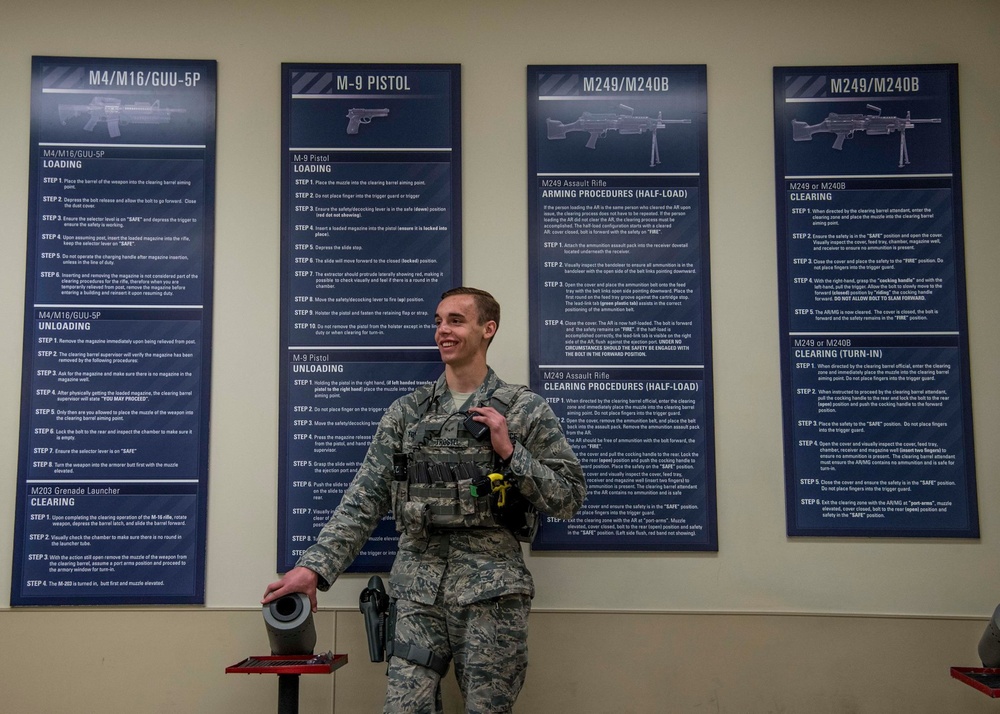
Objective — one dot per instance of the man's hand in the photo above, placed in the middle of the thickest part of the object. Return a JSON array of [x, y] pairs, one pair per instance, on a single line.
[[296, 580], [499, 435]]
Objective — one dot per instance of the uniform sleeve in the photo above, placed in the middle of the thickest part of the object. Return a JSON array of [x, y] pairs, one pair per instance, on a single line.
[[363, 505], [543, 464]]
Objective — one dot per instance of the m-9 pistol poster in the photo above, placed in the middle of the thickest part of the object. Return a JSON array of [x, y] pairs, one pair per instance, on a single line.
[[370, 238], [113, 462], [874, 336], [620, 319]]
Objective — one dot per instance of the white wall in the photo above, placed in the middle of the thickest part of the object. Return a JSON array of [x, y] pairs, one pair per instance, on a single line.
[[757, 568]]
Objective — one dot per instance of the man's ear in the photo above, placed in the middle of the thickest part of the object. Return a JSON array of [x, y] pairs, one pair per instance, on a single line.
[[489, 329]]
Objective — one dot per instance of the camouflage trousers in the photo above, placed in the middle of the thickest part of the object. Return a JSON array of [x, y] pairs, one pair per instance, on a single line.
[[486, 641]]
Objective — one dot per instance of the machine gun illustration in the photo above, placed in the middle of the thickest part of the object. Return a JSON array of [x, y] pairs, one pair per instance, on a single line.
[[357, 117], [112, 112], [844, 126], [598, 126]]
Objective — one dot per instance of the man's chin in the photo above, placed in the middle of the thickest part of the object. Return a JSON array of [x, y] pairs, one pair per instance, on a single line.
[[452, 358]]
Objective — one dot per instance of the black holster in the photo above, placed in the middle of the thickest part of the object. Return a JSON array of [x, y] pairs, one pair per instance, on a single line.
[[374, 605]]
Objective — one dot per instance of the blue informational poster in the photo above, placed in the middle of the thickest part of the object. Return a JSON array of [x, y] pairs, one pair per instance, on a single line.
[[370, 238], [620, 319], [113, 463], [874, 337]]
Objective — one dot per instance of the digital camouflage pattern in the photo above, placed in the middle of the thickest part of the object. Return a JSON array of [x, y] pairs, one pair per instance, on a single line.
[[488, 646], [442, 459], [543, 465], [464, 593]]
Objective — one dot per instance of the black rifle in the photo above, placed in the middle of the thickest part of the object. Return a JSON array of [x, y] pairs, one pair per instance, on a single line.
[[111, 111], [844, 126], [598, 126]]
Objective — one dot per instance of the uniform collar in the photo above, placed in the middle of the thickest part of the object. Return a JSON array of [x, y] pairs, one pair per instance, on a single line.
[[489, 385]]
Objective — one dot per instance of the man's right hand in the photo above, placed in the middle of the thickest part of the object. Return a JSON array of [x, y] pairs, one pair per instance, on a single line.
[[296, 580]]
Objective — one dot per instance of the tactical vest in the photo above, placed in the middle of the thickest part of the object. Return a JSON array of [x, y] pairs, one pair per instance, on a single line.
[[432, 484]]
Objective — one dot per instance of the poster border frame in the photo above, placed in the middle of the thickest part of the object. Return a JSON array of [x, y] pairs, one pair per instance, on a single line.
[[700, 73], [787, 418], [455, 115], [210, 160]]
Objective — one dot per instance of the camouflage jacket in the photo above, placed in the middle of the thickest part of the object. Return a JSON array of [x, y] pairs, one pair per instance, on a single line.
[[481, 563]]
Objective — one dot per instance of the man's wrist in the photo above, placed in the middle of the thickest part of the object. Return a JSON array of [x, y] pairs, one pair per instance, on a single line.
[[505, 460]]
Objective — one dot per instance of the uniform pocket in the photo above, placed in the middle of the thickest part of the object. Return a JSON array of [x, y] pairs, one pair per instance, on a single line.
[[399, 495], [416, 519]]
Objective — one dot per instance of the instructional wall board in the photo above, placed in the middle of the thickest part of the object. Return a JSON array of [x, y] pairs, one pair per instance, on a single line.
[[370, 238], [113, 463], [620, 318], [874, 337]]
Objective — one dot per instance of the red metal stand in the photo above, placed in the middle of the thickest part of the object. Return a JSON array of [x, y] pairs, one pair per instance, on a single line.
[[288, 668], [985, 679]]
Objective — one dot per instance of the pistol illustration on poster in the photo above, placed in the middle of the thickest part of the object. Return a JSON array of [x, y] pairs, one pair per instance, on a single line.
[[112, 112], [357, 117], [844, 126], [598, 126]]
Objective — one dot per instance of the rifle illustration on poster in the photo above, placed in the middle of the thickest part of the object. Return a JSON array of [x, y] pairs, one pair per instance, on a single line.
[[112, 112], [598, 126], [845, 125]]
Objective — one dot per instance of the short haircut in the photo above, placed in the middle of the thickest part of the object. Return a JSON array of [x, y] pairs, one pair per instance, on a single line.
[[486, 305]]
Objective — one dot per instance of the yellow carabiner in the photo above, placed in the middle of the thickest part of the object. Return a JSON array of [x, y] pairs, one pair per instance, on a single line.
[[498, 484]]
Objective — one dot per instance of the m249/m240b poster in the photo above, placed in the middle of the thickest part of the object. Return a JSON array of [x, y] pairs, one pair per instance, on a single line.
[[875, 363], [620, 328]]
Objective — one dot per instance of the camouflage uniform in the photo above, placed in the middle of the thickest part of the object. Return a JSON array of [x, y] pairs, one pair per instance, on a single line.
[[463, 593]]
